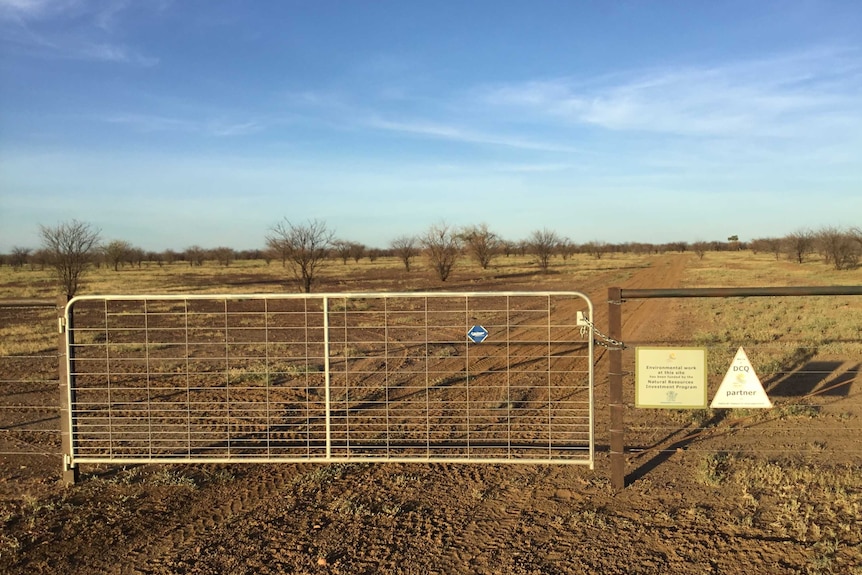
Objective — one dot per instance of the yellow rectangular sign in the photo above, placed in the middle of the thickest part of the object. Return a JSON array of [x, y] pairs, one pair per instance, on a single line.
[[670, 378]]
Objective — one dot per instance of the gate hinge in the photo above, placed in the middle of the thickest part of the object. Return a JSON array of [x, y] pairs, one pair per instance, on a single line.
[[61, 324]]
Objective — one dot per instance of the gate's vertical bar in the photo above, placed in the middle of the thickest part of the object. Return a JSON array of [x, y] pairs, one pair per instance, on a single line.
[[328, 395], [615, 383], [591, 377], [70, 471]]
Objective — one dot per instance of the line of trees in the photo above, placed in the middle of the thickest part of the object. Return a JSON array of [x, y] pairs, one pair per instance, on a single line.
[[71, 247], [840, 248]]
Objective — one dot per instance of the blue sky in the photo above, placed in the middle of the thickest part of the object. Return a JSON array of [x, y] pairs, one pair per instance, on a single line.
[[168, 123]]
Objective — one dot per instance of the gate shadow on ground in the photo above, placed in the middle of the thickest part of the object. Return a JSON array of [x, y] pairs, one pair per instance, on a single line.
[[800, 377], [810, 376], [665, 453]]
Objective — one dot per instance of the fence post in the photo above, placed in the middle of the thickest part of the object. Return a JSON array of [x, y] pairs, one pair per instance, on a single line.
[[70, 473], [615, 384]]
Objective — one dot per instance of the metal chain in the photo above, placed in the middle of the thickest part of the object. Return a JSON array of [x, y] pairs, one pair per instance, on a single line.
[[608, 342]]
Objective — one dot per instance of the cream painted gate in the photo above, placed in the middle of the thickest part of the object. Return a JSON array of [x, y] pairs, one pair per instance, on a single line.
[[495, 377]]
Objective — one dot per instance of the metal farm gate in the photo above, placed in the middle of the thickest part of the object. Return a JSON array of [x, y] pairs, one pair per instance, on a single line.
[[501, 377]]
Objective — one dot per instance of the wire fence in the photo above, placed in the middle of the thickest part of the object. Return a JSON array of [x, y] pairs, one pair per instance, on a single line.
[[816, 395], [29, 379], [806, 353], [811, 372]]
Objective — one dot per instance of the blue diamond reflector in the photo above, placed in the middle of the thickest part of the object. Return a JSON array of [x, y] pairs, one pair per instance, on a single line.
[[477, 334]]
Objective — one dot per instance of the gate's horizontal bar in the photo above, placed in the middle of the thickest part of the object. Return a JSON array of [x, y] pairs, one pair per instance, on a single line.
[[739, 292], [241, 448], [351, 459], [375, 295]]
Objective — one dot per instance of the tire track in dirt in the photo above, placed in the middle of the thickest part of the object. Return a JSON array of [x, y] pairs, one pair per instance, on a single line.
[[641, 318], [208, 513], [645, 318], [474, 538], [643, 321], [485, 532]]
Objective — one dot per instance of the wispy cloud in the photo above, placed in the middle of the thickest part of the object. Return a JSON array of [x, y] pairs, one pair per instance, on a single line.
[[149, 123], [461, 134], [68, 29], [530, 168], [106, 18], [314, 99], [114, 53], [227, 129], [778, 97], [25, 10]]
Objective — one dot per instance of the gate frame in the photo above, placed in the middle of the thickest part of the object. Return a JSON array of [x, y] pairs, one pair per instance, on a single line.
[[617, 296], [66, 339]]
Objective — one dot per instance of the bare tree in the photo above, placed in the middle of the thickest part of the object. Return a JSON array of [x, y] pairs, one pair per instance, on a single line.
[[157, 257], [116, 252], [700, 248], [195, 255], [357, 250], [508, 247], [839, 248], [597, 248], [40, 258], [304, 247], [677, 246], [268, 255], [404, 248], [855, 235], [542, 244], [482, 243], [342, 249], [348, 250], [19, 257], [774, 246], [70, 248], [567, 248], [170, 256], [223, 255], [443, 246], [136, 256], [799, 244]]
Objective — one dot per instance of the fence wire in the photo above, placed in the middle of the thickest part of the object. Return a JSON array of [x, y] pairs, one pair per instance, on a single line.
[[29, 382], [815, 388], [806, 352]]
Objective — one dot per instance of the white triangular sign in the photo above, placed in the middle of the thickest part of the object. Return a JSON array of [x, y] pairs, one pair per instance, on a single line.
[[740, 387]]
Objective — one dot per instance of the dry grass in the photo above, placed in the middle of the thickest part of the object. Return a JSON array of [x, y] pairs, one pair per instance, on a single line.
[[744, 268], [815, 503], [778, 330], [803, 501], [29, 338], [258, 277]]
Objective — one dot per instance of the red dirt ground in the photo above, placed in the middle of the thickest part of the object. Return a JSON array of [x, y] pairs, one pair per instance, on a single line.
[[674, 517]]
